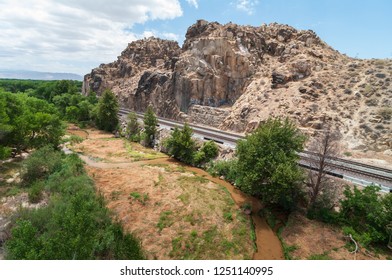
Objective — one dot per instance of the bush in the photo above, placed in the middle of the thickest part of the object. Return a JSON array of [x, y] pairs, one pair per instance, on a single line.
[[75, 139], [226, 168], [106, 116], [323, 214], [366, 215], [199, 158], [385, 113], [181, 145], [5, 152], [136, 137], [207, 152], [133, 129], [35, 192], [267, 163], [150, 126], [40, 164], [24, 243], [75, 224]]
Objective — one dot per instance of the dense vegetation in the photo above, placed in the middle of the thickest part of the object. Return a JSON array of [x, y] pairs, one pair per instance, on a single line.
[[107, 110], [27, 122], [133, 128], [366, 215], [43, 89], [266, 164], [32, 117], [150, 127], [35, 117], [75, 224], [183, 147]]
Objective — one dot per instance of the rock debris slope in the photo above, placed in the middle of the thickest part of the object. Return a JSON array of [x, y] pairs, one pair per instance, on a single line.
[[234, 77]]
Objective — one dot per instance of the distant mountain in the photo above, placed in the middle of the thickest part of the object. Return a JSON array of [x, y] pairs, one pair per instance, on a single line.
[[34, 75]]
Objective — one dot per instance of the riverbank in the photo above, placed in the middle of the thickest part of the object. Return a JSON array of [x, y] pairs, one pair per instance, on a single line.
[[177, 212]]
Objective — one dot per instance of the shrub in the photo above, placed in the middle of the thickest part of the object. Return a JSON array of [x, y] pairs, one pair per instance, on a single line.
[[181, 145], [23, 243], [323, 214], [226, 168], [207, 152], [135, 137], [35, 192], [385, 113], [267, 163], [150, 126], [133, 129], [75, 139], [75, 224], [366, 215], [5, 152], [40, 164], [106, 117]]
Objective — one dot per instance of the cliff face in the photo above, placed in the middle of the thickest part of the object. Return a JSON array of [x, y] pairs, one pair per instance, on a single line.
[[234, 77]]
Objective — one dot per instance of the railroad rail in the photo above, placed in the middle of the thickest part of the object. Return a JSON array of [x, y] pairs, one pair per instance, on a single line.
[[357, 172]]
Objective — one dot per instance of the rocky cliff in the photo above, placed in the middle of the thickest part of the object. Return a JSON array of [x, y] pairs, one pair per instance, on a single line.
[[234, 77]]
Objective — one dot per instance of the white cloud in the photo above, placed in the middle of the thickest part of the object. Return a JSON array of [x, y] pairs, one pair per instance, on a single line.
[[247, 6], [171, 36], [157, 34], [193, 3], [72, 35]]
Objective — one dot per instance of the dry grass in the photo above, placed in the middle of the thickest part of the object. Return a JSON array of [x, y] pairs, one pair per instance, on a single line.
[[175, 213], [113, 150], [178, 205]]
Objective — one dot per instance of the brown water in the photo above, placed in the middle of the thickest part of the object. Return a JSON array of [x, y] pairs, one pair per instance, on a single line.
[[268, 244]]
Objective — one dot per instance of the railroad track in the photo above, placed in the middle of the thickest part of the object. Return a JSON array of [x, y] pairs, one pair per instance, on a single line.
[[383, 176], [387, 177], [364, 165]]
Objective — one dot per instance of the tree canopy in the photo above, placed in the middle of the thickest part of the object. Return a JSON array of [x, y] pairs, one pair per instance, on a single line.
[[133, 128], [28, 122], [181, 145], [150, 126], [107, 118], [267, 163]]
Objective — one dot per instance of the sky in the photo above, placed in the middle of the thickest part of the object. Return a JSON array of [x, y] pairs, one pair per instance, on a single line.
[[75, 36]]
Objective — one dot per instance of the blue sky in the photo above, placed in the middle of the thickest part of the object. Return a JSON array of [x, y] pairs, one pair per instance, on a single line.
[[78, 35]]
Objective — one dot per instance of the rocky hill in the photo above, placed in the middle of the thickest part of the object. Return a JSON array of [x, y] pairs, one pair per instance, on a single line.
[[234, 77]]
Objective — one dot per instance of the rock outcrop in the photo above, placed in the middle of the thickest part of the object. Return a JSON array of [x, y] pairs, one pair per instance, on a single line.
[[235, 77]]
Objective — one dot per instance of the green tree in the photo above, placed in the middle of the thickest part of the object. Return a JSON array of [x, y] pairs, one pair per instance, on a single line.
[[30, 122], [267, 163], [92, 98], [5, 128], [72, 113], [150, 126], [208, 151], [181, 145], [40, 164], [85, 107], [74, 225], [24, 243], [133, 128], [366, 214], [107, 118]]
